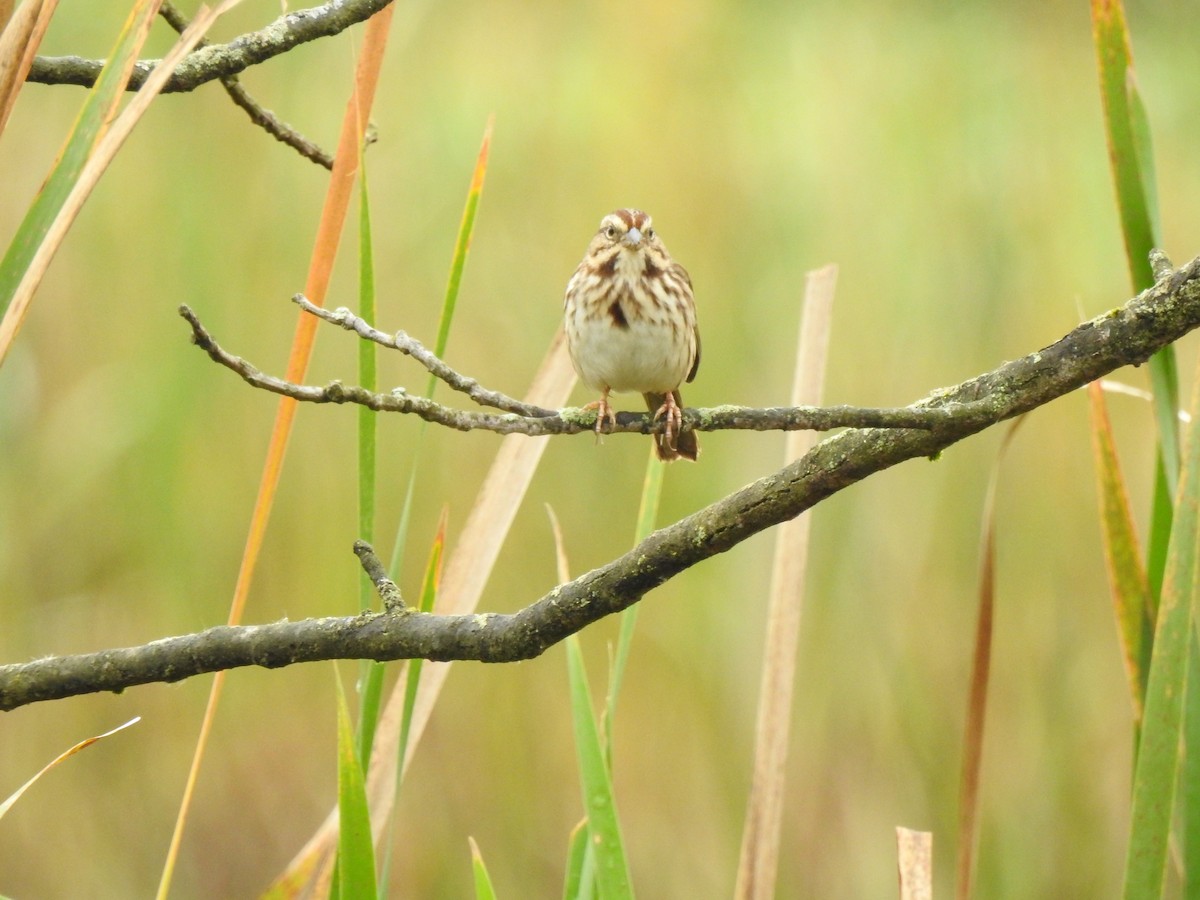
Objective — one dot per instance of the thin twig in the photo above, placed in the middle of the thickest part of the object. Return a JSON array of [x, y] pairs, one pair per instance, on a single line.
[[261, 117], [387, 590], [521, 418], [410, 346]]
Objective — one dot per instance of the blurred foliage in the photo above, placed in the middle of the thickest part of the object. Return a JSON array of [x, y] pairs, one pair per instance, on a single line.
[[951, 162]]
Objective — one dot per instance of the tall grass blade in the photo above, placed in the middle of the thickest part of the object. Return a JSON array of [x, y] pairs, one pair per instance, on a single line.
[[1158, 759], [20, 37], [98, 111], [1188, 799], [462, 246], [483, 881], [449, 303], [470, 564], [356, 855], [329, 230], [603, 825], [1131, 153], [647, 514], [371, 673], [368, 378], [1129, 149], [579, 878], [1133, 602], [968, 818], [468, 568], [16, 795], [429, 590], [758, 864], [85, 158], [458, 262]]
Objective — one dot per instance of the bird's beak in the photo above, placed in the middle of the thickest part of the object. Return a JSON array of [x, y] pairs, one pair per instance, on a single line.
[[633, 238]]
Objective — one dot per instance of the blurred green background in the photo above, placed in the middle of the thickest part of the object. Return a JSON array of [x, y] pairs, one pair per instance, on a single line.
[[950, 160]]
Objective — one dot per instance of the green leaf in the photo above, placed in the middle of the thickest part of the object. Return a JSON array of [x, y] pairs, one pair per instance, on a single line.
[[429, 589], [1129, 175], [483, 883], [461, 246], [1142, 151], [368, 378], [647, 514], [457, 264], [371, 673], [99, 108], [604, 829], [1130, 151], [1189, 782], [356, 853], [1158, 759], [579, 878]]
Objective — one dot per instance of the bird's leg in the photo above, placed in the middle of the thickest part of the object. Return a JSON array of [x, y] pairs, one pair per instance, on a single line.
[[674, 418], [604, 413]]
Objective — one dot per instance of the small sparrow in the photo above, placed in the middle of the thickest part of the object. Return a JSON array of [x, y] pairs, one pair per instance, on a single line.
[[631, 326]]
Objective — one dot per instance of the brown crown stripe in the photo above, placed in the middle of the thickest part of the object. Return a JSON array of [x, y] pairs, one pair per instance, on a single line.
[[633, 218]]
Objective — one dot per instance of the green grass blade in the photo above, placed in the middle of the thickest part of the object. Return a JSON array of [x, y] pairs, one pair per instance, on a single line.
[[1189, 786], [483, 882], [429, 589], [1142, 148], [1162, 515], [356, 853], [647, 514], [1132, 600], [604, 829], [1130, 151], [99, 108], [371, 673], [462, 246], [368, 378], [1131, 154], [458, 263], [1129, 176], [1158, 760], [579, 876]]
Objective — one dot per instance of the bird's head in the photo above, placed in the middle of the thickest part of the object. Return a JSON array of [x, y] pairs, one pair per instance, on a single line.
[[631, 229]]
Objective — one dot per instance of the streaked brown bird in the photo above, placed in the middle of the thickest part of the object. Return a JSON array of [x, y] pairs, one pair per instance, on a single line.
[[631, 326]]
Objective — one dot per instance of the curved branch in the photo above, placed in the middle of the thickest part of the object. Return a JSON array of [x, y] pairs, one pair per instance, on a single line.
[[523, 418], [1125, 336], [220, 60]]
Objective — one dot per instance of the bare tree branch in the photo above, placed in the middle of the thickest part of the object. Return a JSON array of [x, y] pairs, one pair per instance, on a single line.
[[263, 118], [523, 418], [1125, 336], [220, 60]]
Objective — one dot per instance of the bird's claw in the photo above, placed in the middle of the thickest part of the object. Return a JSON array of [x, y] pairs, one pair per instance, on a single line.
[[605, 414], [674, 420]]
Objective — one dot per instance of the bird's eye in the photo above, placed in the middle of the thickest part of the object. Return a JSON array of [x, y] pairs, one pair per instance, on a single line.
[[610, 232], [649, 234]]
